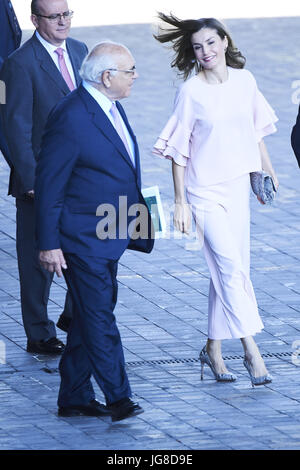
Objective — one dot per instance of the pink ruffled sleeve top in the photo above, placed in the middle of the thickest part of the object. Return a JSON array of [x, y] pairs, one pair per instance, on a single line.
[[214, 130]]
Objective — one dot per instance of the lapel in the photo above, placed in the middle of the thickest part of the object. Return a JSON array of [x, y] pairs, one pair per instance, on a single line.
[[102, 122], [48, 65], [136, 148], [75, 61]]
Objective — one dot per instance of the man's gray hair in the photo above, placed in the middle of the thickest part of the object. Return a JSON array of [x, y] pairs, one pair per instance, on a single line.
[[104, 56]]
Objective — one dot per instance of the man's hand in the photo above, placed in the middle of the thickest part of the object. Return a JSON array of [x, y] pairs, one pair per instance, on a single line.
[[53, 261], [30, 193]]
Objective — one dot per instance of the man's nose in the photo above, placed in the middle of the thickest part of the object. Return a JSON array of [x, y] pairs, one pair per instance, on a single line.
[[62, 19]]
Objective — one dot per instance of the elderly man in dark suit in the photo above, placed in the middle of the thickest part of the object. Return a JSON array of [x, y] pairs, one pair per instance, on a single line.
[[88, 193], [10, 40], [37, 76]]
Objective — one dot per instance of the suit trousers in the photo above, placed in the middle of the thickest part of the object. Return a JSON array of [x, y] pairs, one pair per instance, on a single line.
[[35, 282], [93, 344], [222, 215]]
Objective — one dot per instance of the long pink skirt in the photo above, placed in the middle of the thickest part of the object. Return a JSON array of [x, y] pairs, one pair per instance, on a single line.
[[222, 216]]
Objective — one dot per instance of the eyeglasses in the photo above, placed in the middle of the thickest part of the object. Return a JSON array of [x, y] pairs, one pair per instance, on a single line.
[[131, 71], [67, 15]]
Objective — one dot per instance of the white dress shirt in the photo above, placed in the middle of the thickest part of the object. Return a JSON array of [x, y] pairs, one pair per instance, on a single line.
[[50, 48], [105, 104]]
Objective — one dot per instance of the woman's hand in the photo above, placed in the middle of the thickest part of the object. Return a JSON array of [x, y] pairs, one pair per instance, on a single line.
[[276, 183], [182, 217]]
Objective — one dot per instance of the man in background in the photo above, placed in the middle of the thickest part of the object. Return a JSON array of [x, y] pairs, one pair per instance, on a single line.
[[37, 76]]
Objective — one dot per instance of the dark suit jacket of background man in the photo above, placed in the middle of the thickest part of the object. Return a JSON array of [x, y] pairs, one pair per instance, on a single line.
[[40, 85], [10, 40], [10, 31], [295, 138]]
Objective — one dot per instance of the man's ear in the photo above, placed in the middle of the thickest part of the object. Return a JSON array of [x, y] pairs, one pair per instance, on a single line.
[[35, 21], [106, 78]]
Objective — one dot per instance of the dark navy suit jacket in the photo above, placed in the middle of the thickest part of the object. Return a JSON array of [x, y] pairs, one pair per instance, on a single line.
[[10, 31], [34, 85], [10, 39], [83, 164]]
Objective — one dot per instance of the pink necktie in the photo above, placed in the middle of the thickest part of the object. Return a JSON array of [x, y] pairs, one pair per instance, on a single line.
[[119, 128], [64, 69]]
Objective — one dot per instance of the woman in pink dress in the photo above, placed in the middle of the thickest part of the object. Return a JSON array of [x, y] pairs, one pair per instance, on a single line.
[[215, 139]]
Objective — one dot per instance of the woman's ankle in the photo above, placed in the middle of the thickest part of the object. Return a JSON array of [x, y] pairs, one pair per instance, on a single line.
[[213, 346]]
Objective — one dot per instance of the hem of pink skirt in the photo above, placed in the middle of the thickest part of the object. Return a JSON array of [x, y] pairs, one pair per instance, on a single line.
[[238, 336]]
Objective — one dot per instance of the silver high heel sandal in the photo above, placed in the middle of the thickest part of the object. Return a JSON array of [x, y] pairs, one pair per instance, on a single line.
[[204, 359], [262, 380]]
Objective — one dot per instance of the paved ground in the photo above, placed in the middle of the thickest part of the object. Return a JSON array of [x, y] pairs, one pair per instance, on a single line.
[[163, 297]]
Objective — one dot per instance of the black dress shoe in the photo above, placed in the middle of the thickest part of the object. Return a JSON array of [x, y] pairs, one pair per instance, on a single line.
[[63, 323], [124, 408], [94, 408], [51, 346]]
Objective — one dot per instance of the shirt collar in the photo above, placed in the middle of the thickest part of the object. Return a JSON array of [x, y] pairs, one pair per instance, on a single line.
[[101, 99], [50, 47]]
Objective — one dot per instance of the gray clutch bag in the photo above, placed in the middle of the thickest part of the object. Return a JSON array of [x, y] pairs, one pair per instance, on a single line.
[[263, 185]]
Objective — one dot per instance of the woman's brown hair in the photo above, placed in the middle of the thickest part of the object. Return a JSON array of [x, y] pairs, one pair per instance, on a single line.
[[180, 36]]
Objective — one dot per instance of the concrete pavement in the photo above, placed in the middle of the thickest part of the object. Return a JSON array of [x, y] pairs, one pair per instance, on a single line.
[[163, 296]]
